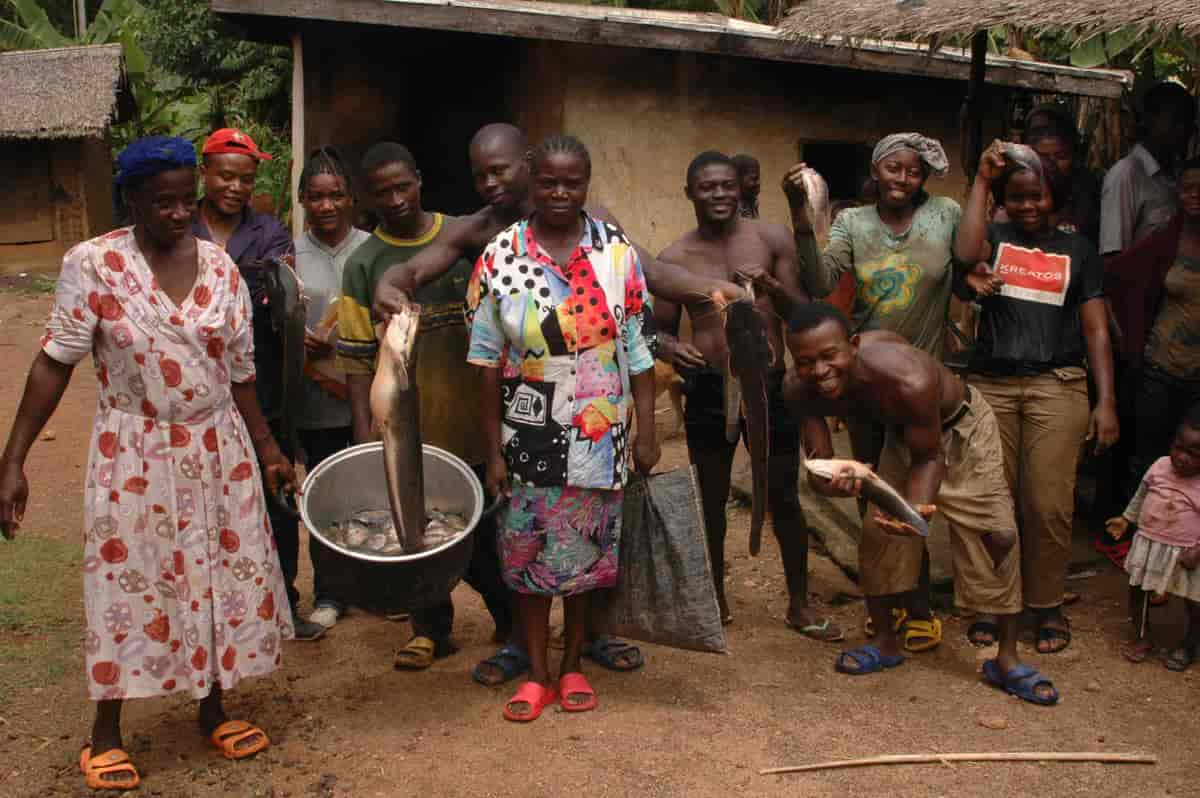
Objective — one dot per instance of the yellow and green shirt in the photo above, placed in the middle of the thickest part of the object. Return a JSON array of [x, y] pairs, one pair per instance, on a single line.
[[447, 383]]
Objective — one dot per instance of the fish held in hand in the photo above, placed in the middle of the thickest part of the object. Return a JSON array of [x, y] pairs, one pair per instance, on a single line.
[[750, 358], [396, 411], [1020, 154], [816, 205], [874, 489]]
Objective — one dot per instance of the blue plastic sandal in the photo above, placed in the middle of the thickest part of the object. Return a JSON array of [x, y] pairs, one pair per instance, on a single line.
[[869, 659], [1022, 681], [511, 661], [609, 652]]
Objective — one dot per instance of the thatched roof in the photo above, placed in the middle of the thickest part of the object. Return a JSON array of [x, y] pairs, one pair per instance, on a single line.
[[924, 19], [61, 93]]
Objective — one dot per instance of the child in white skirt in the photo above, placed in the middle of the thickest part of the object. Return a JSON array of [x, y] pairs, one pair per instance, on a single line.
[[1166, 548]]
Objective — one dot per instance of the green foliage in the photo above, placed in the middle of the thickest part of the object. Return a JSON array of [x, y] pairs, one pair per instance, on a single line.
[[189, 72], [32, 29], [216, 79], [1153, 57]]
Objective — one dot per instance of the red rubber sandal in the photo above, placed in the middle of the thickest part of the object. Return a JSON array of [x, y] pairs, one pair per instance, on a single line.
[[533, 694], [575, 684]]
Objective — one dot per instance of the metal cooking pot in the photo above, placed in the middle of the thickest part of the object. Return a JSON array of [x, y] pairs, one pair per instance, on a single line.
[[354, 480]]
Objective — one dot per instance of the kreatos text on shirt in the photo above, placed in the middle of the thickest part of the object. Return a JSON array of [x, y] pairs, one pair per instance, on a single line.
[[1033, 275]]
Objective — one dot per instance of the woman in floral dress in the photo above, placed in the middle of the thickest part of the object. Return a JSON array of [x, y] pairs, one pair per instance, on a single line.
[[557, 303], [182, 586]]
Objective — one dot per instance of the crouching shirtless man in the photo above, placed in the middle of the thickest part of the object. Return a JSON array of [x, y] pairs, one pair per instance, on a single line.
[[942, 451]]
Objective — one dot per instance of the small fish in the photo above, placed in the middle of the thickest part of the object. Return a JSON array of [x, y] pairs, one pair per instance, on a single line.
[[750, 357], [335, 533], [356, 534], [874, 489], [379, 518], [396, 411], [816, 204], [1020, 154]]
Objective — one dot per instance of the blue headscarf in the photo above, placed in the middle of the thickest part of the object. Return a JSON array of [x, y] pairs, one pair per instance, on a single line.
[[151, 155]]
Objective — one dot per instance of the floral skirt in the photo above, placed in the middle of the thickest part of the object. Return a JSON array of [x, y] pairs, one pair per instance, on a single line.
[[1155, 566], [560, 541]]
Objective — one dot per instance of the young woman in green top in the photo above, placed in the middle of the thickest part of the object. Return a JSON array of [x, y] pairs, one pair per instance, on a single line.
[[899, 248]]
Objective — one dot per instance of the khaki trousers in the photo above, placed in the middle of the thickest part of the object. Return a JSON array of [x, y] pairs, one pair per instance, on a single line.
[[1043, 420], [975, 500]]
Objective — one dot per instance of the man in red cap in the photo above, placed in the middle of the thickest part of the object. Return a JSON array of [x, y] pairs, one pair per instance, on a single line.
[[229, 166]]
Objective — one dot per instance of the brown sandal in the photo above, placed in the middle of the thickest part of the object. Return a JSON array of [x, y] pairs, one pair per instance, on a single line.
[[110, 763]]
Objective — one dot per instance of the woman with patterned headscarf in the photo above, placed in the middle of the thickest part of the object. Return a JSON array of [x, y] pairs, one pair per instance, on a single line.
[[182, 585], [899, 248]]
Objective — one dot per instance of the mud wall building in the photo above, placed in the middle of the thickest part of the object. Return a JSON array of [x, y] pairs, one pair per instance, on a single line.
[[644, 90], [55, 164]]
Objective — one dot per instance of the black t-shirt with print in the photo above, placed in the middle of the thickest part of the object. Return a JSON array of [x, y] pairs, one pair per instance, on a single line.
[[1034, 324]]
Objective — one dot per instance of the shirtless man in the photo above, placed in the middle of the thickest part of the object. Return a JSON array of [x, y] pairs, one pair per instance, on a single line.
[[500, 169], [942, 446], [500, 160], [724, 245]]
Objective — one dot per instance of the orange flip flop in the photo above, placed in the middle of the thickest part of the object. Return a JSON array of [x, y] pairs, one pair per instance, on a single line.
[[227, 736], [533, 694], [110, 763], [576, 684]]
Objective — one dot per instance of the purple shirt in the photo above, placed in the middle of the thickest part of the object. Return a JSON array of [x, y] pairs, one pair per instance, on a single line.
[[257, 237]]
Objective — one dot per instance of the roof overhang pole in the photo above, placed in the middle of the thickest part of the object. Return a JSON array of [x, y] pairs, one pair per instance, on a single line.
[[974, 101], [298, 145]]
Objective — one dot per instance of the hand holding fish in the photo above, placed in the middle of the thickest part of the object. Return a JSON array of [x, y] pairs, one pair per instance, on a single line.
[[1117, 527], [808, 197], [894, 526], [14, 492], [992, 163], [390, 299], [793, 185], [846, 483], [983, 281], [317, 347], [754, 275], [770, 283]]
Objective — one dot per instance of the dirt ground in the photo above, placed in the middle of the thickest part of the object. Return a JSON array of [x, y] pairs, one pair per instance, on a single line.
[[344, 723]]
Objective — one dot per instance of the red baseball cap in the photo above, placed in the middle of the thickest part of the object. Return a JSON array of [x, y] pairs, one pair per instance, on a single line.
[[232, 140]]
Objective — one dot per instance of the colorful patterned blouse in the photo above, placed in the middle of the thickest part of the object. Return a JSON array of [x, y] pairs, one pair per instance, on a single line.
[[568, 340]]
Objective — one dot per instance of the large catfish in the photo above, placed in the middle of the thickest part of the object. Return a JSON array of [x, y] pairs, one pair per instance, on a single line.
[[287, 311], [874, 489], [396, 411], [750, 357]]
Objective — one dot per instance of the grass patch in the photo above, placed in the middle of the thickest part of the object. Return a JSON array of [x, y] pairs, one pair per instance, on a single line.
[[41, 619], [41, 284], [29, 284]]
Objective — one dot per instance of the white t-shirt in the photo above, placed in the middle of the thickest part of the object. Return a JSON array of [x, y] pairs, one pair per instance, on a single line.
[[320, 269]]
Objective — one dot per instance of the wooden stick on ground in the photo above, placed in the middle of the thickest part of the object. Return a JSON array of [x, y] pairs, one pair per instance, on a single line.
[[1011, 756]]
